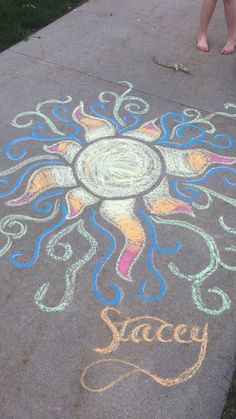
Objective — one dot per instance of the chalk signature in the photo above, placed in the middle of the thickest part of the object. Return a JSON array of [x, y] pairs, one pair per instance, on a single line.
[[148, 330]]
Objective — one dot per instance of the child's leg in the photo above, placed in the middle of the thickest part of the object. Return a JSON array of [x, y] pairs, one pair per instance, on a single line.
[[230, 16], [208, 7]]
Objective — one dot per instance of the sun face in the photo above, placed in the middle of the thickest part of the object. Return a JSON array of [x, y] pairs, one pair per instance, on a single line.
[[110, 168], [118, 168]]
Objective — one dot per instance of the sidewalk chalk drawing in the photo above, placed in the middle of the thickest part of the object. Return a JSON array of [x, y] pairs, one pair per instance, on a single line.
[[142, 330], [104, 157]]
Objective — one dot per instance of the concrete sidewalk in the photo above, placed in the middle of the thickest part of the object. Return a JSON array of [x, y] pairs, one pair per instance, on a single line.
[[117, 217]]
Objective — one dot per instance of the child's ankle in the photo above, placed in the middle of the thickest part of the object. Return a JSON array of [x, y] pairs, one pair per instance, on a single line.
[[202, 33]]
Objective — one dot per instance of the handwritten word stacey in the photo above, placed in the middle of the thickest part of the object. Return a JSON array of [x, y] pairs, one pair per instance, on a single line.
[[145, 330], [153, 329]]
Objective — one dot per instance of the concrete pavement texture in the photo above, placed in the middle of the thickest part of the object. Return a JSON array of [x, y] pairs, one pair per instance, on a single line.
[[117, 217]]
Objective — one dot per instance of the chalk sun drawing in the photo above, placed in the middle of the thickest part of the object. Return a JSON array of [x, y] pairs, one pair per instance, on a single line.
[[109, 161]]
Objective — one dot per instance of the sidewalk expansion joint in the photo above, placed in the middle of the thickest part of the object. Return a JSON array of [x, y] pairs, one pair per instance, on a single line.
[[109, 81]]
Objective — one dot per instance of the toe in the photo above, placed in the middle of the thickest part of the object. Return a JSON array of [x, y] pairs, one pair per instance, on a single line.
[[202, 47], [227, 51], [224, 50], [229, 48], [202, 44]]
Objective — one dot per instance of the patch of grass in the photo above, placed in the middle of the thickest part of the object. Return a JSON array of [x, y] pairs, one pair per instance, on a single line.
[[230, 405], [20, 18]]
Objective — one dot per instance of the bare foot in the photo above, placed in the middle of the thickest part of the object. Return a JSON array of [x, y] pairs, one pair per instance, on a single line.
[[229, 47], [202, 43]]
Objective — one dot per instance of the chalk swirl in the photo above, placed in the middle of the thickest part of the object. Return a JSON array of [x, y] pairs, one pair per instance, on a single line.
[[90, 370], [71, 272]]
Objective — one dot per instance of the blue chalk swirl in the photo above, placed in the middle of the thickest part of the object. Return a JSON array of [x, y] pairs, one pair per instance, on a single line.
[[47, 206], [182, 141], [212, 172], [194, 194], [95, 275], [96, 109], [149, 260], [15, 255], [132, 126], [60, 112], [39, 137], [165, 128]]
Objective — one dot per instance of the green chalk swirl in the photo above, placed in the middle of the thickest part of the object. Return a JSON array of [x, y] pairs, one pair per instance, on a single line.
[[209, 193], [135, 105], [197, 118], [13, 227], [71, 272], [198, 279], [55, 241], [25, 163], [231, 248], [40, 114]]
